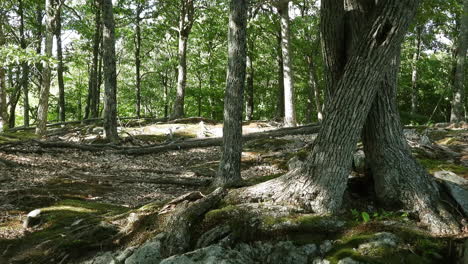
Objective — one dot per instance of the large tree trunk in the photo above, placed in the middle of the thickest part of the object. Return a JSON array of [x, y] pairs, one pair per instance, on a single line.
[[289, 111], [137, 59], [414, 71], [43, 108], [318, 185], [92, 102], [61, 85], [3, 98], [24, 68], [229, 167], [399, 179], [185, 26], [458, 99], [110, 72]]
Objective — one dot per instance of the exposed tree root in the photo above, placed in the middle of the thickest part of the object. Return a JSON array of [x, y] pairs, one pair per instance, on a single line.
[[180, 220]]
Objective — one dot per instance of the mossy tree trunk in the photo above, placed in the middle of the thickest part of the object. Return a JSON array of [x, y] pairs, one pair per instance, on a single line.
[[229, 167]]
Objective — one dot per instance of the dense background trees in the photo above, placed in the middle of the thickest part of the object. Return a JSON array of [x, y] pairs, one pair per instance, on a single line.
[[159, 42]]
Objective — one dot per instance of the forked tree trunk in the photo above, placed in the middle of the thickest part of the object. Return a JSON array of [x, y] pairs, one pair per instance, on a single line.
[[289, 111], [110, 73], [458, 99], [43, 108], [318, 184], [185, 26], [229, 167]]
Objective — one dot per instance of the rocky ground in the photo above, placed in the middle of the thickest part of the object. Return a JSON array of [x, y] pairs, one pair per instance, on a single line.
[[104, 206]]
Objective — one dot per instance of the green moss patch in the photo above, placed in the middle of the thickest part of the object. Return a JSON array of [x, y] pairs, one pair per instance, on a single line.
[[16, 136], [67, 227], [438, 165]]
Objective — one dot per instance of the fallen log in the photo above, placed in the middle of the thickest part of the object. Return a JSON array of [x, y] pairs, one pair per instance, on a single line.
[[211, 142], [178, 145]]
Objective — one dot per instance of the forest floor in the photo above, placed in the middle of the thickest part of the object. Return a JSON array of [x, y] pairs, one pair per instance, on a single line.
[[73, 186]]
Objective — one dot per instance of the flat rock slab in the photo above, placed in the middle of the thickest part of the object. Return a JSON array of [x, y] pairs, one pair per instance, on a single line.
[[457, 186]]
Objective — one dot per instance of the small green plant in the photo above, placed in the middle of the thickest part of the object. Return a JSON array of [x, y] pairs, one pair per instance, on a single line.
[[358, 216]]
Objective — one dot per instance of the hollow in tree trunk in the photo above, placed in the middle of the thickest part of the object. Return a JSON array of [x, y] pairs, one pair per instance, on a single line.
[[229, 167]]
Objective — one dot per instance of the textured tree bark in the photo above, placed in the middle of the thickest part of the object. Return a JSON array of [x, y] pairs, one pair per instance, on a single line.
[[92, 105], [289, 111], [185, 26], [280, 99], [61, 85], [229, 166], [414, 73], [318, 185], [24, 68], [110, 73], [458, 100], [3, 92], [137, 59], [43, 108], [249, 99]]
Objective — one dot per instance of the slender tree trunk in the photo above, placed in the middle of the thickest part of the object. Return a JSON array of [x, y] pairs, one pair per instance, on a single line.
[[249, 109], [24, 67], [14, 98], [61, 85], [318, 185], [458, 104], [110, 73], [313, 100], [289, 111], [229, 167], [39, 69], [137, 60], [185, 26], [3, 92], [92, 102], [43, 108], [280, 101], [99, 80], [414, 72]]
